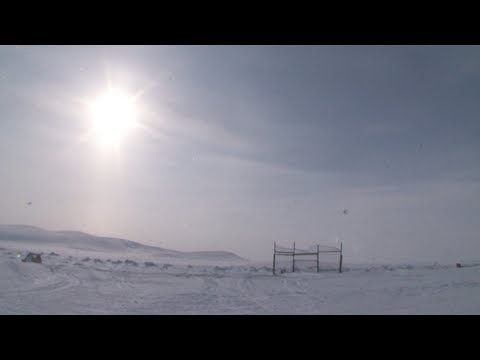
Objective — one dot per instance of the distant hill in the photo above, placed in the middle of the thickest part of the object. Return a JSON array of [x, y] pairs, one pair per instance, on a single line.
[[36, 237]]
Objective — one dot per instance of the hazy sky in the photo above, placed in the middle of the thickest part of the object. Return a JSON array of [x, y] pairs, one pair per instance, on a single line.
[[240, 146]]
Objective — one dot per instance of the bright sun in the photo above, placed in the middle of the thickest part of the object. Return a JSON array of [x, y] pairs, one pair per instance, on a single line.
[[113, 115]]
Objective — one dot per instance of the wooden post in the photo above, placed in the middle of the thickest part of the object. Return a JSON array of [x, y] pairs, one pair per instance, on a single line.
[[293, 265], [318, 265], [274, 252], [341, 258]]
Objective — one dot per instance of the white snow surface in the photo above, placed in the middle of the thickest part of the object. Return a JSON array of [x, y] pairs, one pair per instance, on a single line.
[[85, 274]]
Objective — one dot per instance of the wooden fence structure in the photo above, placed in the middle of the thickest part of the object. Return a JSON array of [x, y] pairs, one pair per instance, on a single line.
[[295, 252]]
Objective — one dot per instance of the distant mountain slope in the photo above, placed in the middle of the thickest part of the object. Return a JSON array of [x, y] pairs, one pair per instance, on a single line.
[[76, 240]]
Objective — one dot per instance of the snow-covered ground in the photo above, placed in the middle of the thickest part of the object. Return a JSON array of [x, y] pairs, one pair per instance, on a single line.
[[84, 274]]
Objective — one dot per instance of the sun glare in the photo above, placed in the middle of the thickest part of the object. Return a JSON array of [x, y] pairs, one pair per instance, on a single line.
[[113, 115]]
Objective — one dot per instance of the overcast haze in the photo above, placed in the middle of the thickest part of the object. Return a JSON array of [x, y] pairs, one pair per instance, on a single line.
[[240, 146]]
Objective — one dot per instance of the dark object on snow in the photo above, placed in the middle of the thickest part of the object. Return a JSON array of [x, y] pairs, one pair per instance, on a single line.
[[345, 212], [459, 265], [31, 257]]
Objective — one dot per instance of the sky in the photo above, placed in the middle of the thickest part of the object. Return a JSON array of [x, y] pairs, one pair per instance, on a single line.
[[236, 147]]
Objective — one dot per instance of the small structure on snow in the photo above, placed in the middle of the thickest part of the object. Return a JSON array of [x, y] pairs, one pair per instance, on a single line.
[[315, 251], [31, 257]]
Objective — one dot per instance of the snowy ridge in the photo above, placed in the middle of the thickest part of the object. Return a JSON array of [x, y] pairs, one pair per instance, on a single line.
[[38, 239]]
